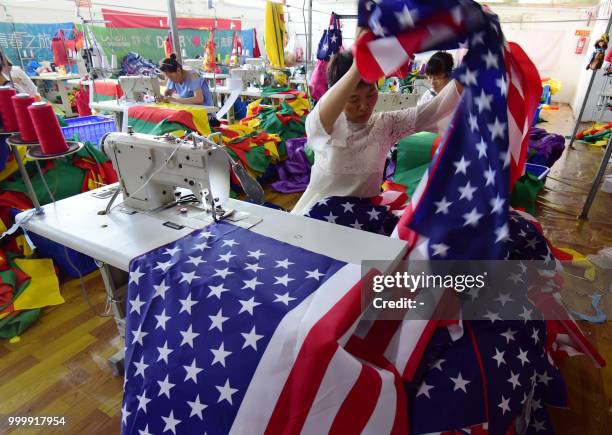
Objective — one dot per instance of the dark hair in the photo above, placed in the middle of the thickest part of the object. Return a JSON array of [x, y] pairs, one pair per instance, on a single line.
[[440, 63], [170, 64], [338, 65], [4, 59]]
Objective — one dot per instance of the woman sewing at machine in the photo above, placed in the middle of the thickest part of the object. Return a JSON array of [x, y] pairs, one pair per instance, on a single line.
[[184, 86]]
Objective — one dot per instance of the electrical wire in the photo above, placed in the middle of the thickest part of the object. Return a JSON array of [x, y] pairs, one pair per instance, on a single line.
[[106, 313]]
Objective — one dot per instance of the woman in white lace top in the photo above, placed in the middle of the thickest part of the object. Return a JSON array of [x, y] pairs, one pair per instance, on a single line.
[[351, 143]]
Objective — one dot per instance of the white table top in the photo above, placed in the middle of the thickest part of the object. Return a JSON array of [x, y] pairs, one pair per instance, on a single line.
[[117, 238], [56, 77], [253, 93], [215, 76], [121, 106]]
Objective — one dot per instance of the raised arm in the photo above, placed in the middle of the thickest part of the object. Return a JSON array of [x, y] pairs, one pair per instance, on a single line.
[[332, 103], [430, 114]]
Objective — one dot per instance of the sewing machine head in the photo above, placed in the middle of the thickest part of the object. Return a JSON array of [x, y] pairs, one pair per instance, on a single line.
[[140, 89], [150, 169], [248, 76]]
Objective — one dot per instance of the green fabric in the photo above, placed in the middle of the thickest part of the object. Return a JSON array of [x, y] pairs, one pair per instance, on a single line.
[[158, 129], [413, 159], [415, 150], [272, 125], [62, 121], [13, 326], [309, 154], [268, 90], [257, 159], [595, 137], [411, 178], [525, 192], [64, 180]]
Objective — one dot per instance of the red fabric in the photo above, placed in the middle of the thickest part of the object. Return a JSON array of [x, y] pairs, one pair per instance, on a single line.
[[168, 45], [82, 101], [108, 89], [156, 115], [60, 47], [131, 20], [526, 106], [256, 51]]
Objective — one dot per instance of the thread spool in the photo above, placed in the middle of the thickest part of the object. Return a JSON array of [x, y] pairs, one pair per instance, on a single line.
[[21, 102], [7, 110], [48, 130]]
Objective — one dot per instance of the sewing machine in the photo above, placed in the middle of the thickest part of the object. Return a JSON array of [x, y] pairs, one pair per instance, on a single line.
[[140, 89], [248, 76], [151, 168]]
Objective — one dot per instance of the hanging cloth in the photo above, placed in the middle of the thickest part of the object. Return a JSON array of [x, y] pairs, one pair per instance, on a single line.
[[274, 35]]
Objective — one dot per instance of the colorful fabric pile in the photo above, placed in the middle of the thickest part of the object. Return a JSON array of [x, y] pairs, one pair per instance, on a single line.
[[27, 284], [255, 149], [598, 135], [293, 173], [259, 140]]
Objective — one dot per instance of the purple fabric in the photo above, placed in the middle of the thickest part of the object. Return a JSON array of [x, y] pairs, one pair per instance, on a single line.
[[545, 148], [293, 173]]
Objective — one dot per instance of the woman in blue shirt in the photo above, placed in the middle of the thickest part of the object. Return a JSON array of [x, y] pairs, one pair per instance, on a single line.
[[188, 85]]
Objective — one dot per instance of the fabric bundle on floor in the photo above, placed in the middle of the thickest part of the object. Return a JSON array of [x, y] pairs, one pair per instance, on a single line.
[[545, 148], [293, 173]]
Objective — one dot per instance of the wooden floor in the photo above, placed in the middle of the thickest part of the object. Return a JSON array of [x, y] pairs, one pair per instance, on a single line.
[[59, 368]]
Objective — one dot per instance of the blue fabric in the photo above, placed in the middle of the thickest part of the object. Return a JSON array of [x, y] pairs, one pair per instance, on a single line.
[[188, 87]]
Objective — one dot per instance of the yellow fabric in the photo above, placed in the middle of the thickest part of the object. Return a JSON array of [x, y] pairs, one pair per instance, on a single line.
[[199, 114], [11, 166], [23, 246], [274, 34], [300, 104], [271, 147], [2, 227], [581, 261], [251, 108], [43, 289]]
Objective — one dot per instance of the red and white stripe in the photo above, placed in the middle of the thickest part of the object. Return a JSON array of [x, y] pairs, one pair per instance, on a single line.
[[294, 392]]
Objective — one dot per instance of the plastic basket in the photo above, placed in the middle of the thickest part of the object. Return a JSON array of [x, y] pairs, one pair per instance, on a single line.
[[89, 128], [536, 116], [538, 170]]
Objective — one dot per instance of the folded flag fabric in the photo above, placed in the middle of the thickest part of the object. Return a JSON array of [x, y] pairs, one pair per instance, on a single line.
[[374, 215], [106, 90], [159, 119], [249, 342]]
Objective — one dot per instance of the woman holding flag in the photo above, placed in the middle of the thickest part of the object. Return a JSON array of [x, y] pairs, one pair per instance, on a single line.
[[351, 143]]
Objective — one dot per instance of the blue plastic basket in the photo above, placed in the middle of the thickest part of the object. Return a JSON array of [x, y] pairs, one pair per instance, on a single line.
[[536, 117], [538, 170], [89, 128]]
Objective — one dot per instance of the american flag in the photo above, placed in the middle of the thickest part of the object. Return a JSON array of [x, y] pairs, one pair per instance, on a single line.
[[375, 215], [331, 42], [229, 331], [483, 151]]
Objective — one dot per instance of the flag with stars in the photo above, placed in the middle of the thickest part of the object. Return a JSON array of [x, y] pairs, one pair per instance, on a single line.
[[229, 331], [331, 41], [375, 215], [464, 195]]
